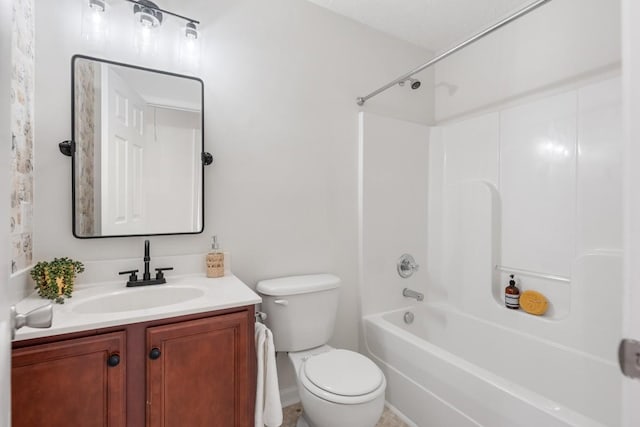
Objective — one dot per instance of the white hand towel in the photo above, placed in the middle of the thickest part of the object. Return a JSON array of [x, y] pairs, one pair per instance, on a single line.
[[268, 407], [260, 336]]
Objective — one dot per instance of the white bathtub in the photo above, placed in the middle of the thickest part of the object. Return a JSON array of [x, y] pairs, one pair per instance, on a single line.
[[449, 369]]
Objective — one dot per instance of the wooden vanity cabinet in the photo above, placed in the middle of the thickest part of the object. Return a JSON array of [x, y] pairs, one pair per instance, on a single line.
[[197, 373], [195, 370], [76, 382]]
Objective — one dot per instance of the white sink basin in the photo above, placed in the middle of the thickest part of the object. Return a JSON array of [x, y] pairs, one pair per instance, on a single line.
[[107, 304], [138, 299]]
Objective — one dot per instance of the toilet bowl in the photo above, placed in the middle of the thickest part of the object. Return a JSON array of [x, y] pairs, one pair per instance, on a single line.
[[338, 388]]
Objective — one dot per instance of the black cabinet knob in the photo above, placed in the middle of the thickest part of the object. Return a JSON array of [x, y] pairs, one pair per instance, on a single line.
[[154, 353], [113, 360]]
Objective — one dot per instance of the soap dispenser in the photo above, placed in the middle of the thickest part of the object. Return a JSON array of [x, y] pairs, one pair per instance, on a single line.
[[512, 295], [215, 260]]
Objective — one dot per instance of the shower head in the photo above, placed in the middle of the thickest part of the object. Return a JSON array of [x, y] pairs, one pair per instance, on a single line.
[[415, 83]]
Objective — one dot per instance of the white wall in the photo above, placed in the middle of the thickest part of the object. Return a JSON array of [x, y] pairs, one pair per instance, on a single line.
[[281, 78], [560, 42], [393, 209]]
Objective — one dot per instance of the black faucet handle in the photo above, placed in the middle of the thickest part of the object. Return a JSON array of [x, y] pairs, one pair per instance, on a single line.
[[133, 277], [159, 272]]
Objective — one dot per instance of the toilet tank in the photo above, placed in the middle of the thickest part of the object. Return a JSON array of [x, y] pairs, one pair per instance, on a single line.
[[301, 310]]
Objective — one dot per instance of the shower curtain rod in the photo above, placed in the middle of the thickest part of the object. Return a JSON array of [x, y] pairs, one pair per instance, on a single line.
[[531, 7]]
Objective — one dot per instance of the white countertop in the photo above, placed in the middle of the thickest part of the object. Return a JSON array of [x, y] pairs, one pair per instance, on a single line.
[[217, 294]]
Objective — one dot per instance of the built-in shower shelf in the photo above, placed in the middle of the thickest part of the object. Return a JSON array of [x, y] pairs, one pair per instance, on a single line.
[[530, 273]]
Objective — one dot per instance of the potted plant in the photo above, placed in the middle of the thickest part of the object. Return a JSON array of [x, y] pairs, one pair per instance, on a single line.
[[54, 279]]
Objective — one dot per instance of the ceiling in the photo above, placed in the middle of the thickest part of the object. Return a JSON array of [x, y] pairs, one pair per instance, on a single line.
[[433, 24]]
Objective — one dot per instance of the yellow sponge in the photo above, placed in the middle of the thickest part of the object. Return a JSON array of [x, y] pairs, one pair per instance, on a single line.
[[534, 302]]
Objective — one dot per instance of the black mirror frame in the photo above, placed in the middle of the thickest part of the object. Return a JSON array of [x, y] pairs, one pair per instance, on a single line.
[[68, 147]]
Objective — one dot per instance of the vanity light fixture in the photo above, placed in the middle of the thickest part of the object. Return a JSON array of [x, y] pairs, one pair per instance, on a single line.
[[150, 15], [147, 13]]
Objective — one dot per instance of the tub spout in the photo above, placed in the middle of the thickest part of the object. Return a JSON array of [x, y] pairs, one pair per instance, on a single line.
[[406, 292]]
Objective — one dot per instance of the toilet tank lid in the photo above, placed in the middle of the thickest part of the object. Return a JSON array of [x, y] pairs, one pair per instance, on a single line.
[[293, 285]]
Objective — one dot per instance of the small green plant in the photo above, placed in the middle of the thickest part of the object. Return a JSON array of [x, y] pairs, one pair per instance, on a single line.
[[54, 279]]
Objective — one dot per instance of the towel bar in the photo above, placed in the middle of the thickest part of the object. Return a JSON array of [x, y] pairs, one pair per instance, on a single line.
[[260, 316]]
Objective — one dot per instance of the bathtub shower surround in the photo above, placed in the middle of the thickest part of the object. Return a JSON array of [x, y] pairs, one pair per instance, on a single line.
[[22, 94], [535, 188], [531, 188]]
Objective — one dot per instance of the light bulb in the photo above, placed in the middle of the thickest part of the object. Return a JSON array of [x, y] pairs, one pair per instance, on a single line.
[[190, 48], [97, 5], [190, 31], [94, 22], [96, 17]]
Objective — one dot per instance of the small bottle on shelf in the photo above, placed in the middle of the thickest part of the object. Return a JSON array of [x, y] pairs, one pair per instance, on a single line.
[[512, 295], [215, 260]]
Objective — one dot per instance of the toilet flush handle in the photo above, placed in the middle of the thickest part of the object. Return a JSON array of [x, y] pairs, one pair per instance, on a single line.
[[282, 302]]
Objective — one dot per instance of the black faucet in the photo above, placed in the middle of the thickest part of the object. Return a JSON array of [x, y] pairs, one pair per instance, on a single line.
[[146, 277], [147, 258]]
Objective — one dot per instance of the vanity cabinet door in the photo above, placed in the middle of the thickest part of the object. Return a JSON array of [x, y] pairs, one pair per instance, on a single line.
[[198, 373], [77, 382]]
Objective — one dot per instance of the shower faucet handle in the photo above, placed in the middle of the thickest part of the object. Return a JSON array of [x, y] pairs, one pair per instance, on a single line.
[[407, 266]]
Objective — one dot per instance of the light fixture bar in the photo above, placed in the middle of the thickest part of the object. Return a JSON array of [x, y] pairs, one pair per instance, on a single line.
[[186, 18]]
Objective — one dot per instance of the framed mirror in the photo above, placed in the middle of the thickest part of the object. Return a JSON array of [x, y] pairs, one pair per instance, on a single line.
[[137, 150]]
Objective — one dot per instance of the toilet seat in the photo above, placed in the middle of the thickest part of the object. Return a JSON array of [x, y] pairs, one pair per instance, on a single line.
[[342, 376]]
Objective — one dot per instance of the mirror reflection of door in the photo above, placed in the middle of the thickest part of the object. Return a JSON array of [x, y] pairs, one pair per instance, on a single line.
[[123, 186], [172, 164]]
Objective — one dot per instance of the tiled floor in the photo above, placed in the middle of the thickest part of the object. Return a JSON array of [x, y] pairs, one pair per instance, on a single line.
[[388, 419]]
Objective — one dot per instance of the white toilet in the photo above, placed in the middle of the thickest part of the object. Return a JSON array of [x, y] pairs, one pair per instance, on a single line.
[[336, 387]]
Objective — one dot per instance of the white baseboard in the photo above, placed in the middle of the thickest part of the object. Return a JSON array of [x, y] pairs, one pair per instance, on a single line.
[[289, 396]]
